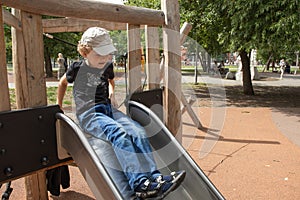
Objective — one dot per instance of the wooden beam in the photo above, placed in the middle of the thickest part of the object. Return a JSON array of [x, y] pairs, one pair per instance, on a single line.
[[90, 9], [184, 31], [59, 25], [171, 47], [19, 65], [152, 57], [11, 20], [4, 92], [134, 58]]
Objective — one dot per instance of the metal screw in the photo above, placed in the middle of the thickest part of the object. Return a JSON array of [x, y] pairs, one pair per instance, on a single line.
[[3, 151], [45, 160], [8, 171]]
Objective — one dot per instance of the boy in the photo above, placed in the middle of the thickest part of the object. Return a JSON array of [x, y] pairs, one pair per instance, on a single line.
[[94, 96]]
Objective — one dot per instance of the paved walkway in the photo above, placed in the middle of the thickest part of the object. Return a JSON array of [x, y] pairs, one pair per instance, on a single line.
[[269, 79]]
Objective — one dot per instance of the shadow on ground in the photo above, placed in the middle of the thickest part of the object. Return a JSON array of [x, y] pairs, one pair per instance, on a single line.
[[278, 97]]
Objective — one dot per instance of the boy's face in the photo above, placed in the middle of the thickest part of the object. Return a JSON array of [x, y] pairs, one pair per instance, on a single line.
[[96, 60]]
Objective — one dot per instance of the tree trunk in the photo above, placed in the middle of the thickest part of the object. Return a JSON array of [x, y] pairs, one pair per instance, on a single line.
[[247, 83], [48, 65], [269, 61]]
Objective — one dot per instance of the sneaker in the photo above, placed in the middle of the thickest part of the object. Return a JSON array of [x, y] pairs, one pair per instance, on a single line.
[[159, 192], [147, 189], [169, 183]]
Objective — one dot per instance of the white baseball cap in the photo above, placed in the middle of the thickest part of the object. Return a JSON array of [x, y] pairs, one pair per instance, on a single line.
[[99, 39]]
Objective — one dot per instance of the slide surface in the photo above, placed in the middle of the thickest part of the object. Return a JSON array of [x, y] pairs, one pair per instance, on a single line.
[[169, 155]]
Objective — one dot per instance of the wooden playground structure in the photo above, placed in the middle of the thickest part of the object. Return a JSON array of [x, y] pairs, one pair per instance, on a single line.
[[76, 16]]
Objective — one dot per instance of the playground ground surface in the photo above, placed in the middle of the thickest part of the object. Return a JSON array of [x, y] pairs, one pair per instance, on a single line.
[[249, 149]]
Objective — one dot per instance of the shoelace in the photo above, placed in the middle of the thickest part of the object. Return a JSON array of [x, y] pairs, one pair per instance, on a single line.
[[161, 180]]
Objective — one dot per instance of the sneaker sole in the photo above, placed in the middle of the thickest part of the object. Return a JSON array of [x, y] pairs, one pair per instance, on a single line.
[[176, 183], [178, 180]]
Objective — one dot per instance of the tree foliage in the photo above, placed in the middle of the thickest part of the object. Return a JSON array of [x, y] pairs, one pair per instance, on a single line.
[[222, 26], [241, 25], [65, 43], [154, 4]]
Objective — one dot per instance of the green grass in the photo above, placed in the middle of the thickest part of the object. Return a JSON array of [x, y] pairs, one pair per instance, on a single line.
[[51, 97], [52, 94]]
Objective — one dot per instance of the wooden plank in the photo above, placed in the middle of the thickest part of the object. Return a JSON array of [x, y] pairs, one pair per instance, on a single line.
[[191, 112], [184, 31], [69, 162], [34, 51], [90, 9], [172, 67], [4, 92], [11, 20], [28, 54], [134, 58], [78, 25], [19, 64], [152, 57]]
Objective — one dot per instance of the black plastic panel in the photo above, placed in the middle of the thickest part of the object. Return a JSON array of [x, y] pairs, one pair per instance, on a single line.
[[152, 99], [27, 141]]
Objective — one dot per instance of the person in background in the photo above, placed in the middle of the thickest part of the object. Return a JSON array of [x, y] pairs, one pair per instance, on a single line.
[[282, 66], [61, 65]]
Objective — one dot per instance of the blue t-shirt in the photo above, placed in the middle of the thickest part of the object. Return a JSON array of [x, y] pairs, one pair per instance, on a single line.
[[91, 85]]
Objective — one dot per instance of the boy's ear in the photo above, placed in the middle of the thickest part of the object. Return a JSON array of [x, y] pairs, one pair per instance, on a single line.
[[83, 54]]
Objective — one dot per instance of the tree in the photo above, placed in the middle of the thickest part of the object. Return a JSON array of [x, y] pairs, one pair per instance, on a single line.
[[154, 4], [260, 24], [8, 42], [284, 40], [202, 15], [64, 43], [242, 25]]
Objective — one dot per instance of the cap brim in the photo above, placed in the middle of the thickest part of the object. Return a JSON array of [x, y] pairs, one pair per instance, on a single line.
[[105, 50]]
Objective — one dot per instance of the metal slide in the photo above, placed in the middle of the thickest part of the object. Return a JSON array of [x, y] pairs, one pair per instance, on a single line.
[[71, 141], [169, 154]]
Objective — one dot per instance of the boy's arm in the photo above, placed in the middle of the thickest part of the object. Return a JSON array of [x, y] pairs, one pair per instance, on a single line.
[[112, 92], [62, 87]]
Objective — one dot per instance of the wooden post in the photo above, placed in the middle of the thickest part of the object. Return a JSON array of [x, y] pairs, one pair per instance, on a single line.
[[171, 46], [134, 58], [152, 57], [185, 29], [28, 51], [10, 20], [4, 91]]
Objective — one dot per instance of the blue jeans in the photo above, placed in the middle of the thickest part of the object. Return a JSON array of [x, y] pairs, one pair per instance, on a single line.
[[128, 139]]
